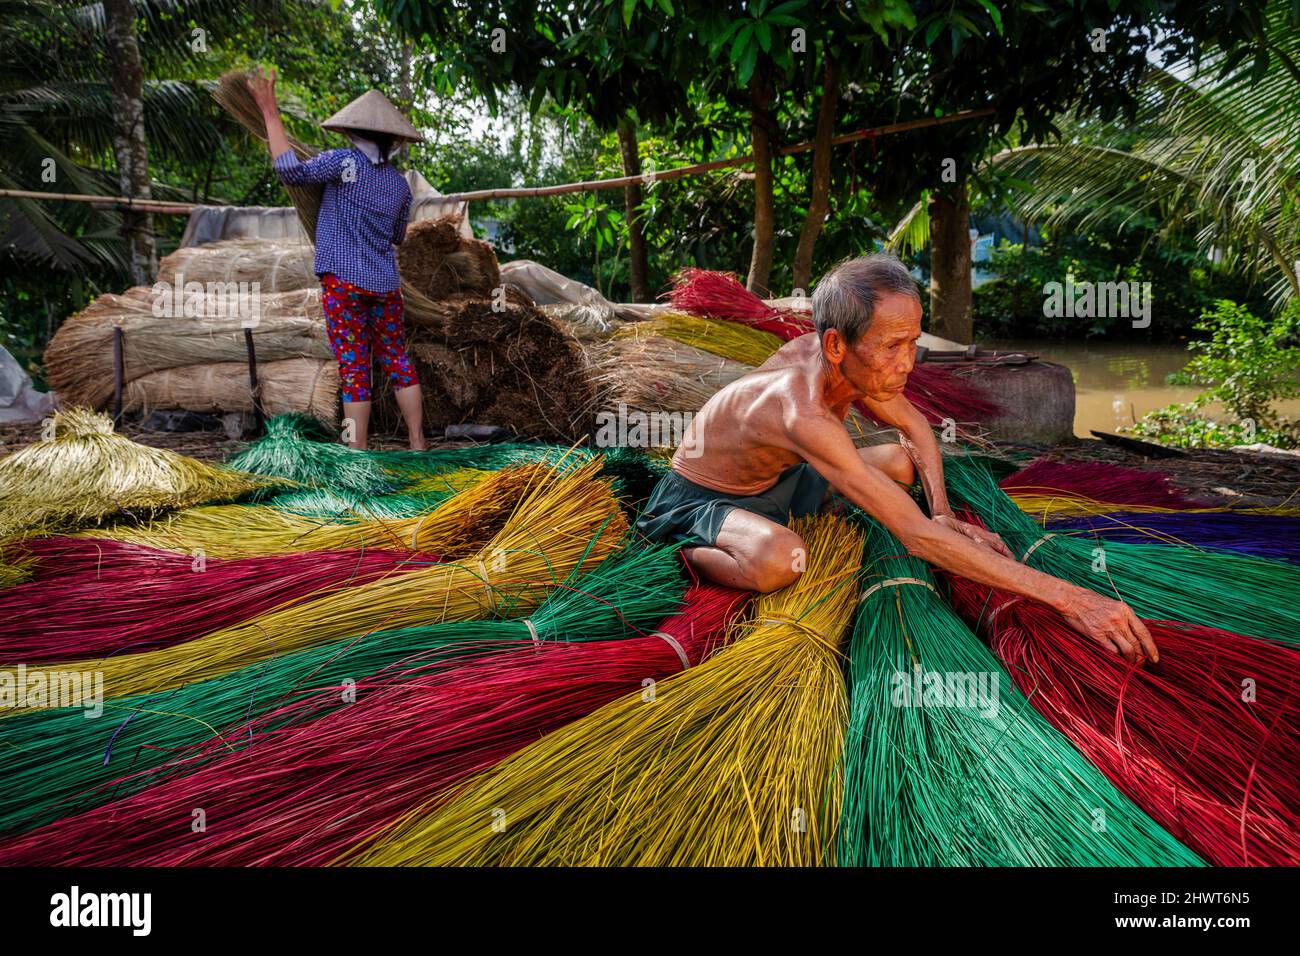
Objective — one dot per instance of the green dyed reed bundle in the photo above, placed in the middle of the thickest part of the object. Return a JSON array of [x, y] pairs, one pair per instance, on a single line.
[[945, 762]]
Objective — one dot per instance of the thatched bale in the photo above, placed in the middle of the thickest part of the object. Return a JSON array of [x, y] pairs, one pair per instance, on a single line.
[[79, 358], [289, 385], [277, 265], [512, 368], [437, 261]]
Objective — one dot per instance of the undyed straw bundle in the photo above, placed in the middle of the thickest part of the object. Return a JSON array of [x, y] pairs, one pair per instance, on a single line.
[[732, 763], [1206, 741], [86, 472], [60, 763], [946, 764], [559, 524]]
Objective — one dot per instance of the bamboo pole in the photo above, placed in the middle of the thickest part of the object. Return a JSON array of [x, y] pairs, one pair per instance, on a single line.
[[591, 185]]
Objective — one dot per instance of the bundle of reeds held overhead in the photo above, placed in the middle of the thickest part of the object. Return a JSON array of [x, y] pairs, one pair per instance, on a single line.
[[558, 524], [85, 472], [945, 762], [1206, 741], [61, 764], [730, 763]]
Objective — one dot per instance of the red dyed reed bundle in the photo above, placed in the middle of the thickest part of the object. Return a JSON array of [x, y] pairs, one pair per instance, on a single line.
[[938, 394], [99, 597], [1097, 480], [308, 794], [1219, 772]]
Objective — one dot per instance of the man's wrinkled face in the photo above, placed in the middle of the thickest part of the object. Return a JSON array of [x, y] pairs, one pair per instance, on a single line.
[[878, 363]]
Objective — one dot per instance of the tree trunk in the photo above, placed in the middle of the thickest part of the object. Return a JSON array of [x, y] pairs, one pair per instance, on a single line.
[[819, 204], [760, 134], [950, 262], [405, 88], [637, 254], [130, 148]]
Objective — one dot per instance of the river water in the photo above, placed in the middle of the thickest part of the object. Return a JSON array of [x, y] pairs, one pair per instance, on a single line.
[[1117, 383]]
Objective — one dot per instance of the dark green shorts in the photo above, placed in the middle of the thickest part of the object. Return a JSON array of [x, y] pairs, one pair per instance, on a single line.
[[680, 510]]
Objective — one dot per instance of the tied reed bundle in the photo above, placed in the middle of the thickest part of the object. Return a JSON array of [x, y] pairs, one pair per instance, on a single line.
[[1095, 480], [128, 602], [739, 343], [558, 524], [653, 373], [61, 764], [946, 764], [731, 763], [1264, 536], [424, 495], [276, 265], [1216, 766], [288, 450], [1234, 592], [304, 385], [455, 528], [86, 473], [196, 329]]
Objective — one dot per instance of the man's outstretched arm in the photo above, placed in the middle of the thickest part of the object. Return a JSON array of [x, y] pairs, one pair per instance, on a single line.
[[823, 444], [917, 438]]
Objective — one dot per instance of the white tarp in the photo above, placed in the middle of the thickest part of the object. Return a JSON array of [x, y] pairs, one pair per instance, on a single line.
[[19, 401]]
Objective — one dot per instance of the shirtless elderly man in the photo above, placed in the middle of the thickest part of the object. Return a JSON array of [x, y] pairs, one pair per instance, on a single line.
[[767, 447]]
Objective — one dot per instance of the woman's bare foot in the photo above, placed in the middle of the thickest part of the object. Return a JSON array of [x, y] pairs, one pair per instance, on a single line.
[[418, 443]]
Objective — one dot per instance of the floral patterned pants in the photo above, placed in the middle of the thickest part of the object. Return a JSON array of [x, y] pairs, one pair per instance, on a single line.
[[358, 321]]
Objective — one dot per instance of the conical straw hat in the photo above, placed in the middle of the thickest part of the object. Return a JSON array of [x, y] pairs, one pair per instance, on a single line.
[[372, 111]]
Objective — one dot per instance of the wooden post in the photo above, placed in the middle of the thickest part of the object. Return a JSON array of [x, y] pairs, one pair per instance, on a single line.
[[259, 416], [118, 375]]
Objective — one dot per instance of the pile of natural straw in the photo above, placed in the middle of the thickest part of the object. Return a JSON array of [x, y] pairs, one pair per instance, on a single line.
[[79, 359], [439, 262], [276, 265], [512, 368], [289, 385]]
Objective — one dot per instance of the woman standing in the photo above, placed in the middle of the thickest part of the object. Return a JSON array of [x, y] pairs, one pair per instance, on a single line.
[[363, 216]]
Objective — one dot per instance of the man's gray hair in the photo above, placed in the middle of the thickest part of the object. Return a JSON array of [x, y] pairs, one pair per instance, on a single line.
[[846, 297]]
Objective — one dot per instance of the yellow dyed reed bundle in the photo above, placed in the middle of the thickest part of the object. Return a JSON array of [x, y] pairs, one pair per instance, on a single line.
[[560, 524], [86, 472], [15, 571], [456, 527], [731, 340], [732, 763]]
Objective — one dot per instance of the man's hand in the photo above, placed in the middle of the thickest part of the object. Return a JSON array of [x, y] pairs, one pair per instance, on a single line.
[[975, 533], [1112, 624], [262, 86]]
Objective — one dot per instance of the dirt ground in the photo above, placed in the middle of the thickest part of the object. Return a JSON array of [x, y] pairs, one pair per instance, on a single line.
[[1221, 477]]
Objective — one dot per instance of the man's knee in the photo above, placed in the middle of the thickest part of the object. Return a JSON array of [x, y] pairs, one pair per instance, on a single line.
[[779, 559]]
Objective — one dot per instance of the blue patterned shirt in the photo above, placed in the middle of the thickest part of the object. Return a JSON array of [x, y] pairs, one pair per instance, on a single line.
[[363, 214]]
